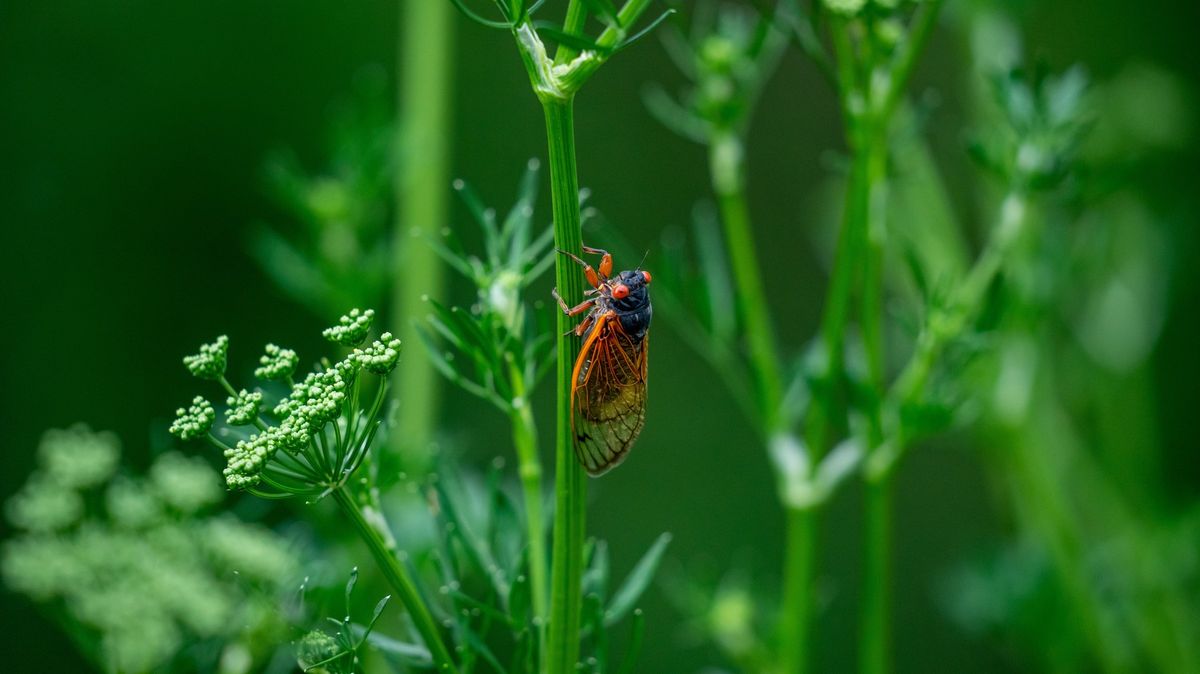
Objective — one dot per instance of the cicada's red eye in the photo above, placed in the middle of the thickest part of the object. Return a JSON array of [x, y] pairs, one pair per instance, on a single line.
[[620, 292], [646, 275]]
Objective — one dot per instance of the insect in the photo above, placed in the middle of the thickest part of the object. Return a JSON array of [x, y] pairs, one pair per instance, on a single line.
[[608, 384]]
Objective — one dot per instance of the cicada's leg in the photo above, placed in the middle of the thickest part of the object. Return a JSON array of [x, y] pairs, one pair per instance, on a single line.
[[606, 263], [575, 310], [592, 278], [585, 325]]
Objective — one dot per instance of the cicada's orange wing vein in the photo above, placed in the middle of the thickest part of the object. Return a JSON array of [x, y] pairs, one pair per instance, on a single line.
[[608, 403]]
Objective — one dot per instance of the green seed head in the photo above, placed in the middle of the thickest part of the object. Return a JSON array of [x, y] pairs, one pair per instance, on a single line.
[[276, 363], [209, 363], [243, 408], [352, 328], [381, 356], [195, 421]]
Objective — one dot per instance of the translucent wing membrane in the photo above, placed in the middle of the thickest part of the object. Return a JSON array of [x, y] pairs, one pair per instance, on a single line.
[[608, 407]]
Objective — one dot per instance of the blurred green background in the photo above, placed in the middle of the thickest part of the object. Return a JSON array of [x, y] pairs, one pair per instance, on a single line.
[[133, 134]]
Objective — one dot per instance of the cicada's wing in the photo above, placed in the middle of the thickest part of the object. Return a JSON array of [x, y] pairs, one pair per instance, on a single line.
[[608, 406]]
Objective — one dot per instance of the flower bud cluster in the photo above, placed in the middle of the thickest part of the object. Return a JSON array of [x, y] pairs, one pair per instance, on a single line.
[[209, 363], [276, 363], [351, 329], [194, 421], [243, 408]]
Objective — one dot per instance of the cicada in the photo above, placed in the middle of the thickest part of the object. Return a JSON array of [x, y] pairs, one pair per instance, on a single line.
[[608, 384]]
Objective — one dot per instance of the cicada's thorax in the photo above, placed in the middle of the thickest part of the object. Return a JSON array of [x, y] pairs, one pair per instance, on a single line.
[[634, 310]]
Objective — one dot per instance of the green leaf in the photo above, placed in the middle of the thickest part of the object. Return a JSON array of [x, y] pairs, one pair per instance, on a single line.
[[398, 652], [639, 579], [604, 10], [576, 42], [519, 597], [638, 632], [379, 606], [470, 14], [478, 552], [350, 587], [645, 31], [476, 644]]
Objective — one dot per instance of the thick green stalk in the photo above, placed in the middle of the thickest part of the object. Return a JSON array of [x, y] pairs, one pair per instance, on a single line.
[[529, 468], [397, 576], [422, 191], [570, 484]]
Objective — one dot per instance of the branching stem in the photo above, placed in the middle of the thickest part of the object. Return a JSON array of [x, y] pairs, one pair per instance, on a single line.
[[398, 577]]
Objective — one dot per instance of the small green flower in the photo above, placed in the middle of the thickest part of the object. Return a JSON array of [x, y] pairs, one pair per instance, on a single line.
[[277, 363], [352, 328], [79, 458], [243, 408], [209, 363], [381, 356], [185, 484], [195, 421]]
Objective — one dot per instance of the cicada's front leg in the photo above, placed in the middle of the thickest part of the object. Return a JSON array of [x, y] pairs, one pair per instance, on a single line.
[[593, 278]]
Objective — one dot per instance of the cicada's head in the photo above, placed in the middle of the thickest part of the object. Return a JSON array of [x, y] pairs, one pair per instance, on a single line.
[[629, 290]]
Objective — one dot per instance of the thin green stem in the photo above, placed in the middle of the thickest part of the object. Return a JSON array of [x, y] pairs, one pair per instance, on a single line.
[[529, 468], [876, 633], [570, 485], [725, 164], [425, 62], [397, 576], [795, 619], [728, 180], [906, 58], [826, 414], [876, 606]]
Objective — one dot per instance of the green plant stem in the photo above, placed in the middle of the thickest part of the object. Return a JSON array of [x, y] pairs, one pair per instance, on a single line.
[[826, 415], [876, 607], [725, 164], [397, 576], [728, 181], [876, 632], [529, 468], [424, 62], [795, 618], [570, 484]]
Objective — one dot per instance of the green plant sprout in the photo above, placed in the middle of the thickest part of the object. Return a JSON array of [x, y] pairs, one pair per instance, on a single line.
[[314, 440], [322, 653], [136, 567], [555, 80], [500, 350]]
